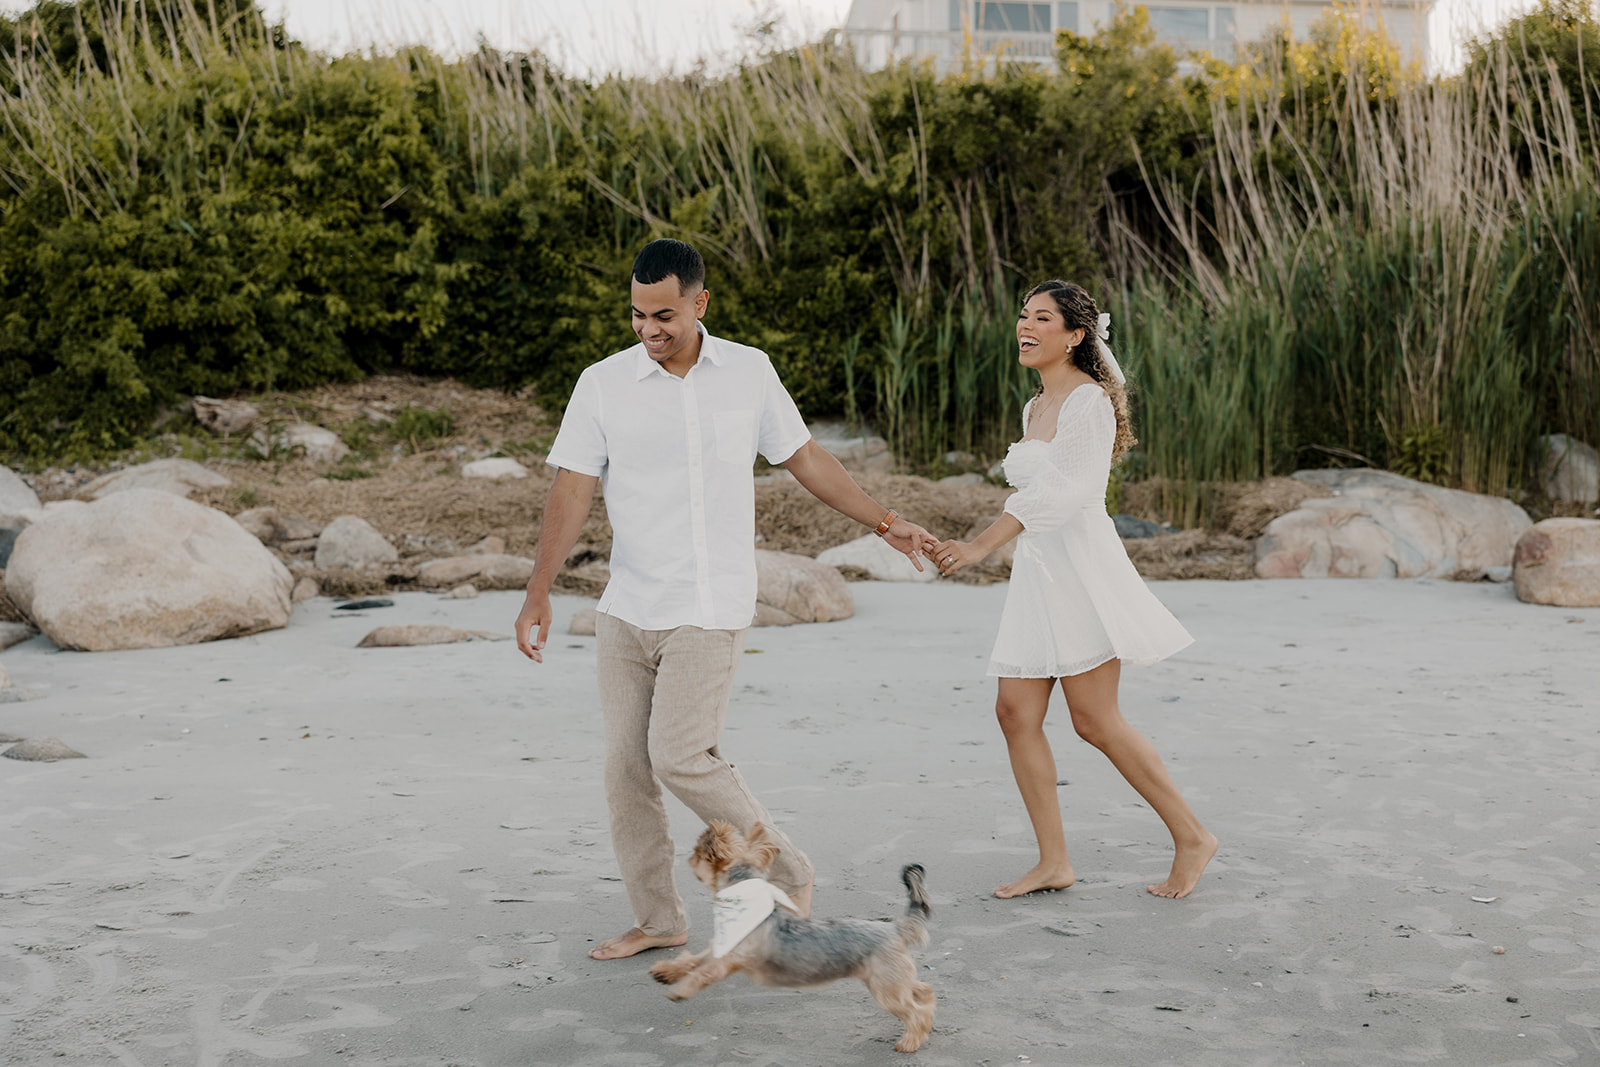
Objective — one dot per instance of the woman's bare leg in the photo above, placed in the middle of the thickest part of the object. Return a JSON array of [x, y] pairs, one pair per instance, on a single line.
[[1092, 700], [1020, 706]]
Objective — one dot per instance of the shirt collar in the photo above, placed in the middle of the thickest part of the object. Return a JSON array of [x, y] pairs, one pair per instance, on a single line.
[[710, 349]]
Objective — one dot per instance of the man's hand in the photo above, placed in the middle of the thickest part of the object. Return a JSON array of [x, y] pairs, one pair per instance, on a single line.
[[535, 614], [911, 539]]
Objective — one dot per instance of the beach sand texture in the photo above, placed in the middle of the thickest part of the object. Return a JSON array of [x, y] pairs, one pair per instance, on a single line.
[[286, 849]]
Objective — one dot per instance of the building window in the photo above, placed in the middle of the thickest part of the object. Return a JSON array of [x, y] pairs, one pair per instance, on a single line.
[[1009, 16], [1067, 16], [1180, 24], [1224, 27]]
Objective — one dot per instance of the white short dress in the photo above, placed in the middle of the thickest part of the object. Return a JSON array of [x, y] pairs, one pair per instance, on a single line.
[[1075, 600]]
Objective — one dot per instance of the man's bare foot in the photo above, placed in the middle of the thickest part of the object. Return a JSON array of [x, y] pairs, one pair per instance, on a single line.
[[1186, 868], [802, 899], [634, 942], [1044, 876]]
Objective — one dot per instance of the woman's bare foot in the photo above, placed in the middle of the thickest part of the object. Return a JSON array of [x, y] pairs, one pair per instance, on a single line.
[[1044, 876], [1186, 868], [634, 942]]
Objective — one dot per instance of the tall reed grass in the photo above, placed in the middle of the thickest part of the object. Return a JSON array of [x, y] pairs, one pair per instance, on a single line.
[[1306, 264], [1419, 290]]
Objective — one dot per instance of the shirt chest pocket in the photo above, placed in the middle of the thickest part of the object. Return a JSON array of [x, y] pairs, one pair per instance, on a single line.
[[736, 436]]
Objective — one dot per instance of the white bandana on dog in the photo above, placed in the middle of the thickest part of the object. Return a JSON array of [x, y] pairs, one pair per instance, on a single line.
[[740, 908]]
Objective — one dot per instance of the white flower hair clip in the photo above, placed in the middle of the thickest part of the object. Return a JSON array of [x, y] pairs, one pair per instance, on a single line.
[[1102, 334]]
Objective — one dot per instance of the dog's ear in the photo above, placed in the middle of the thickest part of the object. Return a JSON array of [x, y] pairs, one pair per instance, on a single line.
[[762, 845]]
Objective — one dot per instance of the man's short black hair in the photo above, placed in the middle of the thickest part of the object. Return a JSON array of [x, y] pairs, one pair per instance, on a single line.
[[658, 259]]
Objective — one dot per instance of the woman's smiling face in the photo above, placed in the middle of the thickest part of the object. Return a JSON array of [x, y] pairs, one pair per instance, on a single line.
[[1042, 334]]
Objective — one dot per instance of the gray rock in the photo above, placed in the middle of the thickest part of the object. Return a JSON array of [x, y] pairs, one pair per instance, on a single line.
[[303, 440], [875, 556], [177, 476], [145, 569], [225, 417], [406, 636], [14, 633], [1569, 469], [464, 591], [494, 468], [43, 749], [16, 497], [1558, 562], [970, 478], [483, 570], [305, 589], [272, 527], [859, 453], [350, 542], [1132, 529], [792, 589], [583, 622], [1381, 525], [490, 546]]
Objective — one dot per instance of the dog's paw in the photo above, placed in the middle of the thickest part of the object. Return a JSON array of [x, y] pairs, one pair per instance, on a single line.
[[677, 994], [908, 1044], [668, 971]]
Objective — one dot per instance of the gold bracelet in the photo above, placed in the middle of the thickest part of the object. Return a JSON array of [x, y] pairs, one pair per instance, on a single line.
[[888, 521]]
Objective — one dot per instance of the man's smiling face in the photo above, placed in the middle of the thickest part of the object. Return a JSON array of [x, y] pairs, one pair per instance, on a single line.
[[666, 320]]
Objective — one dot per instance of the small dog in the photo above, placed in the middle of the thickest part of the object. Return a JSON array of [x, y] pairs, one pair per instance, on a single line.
[[798, 953]]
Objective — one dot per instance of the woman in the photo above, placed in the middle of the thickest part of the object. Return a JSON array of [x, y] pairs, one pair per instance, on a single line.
[[1076, 608]]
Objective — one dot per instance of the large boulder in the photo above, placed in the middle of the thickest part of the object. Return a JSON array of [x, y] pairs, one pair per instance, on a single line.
[[1570, 469], [16, 497], [225, 417], [272, 527], [487, 570], [1558, 562], [145, 569], [407, 636], [878, 558], [179, 476], [350, 542], [1381, 525], [859, 453], [303, 440], [494, 468], [791, 589]]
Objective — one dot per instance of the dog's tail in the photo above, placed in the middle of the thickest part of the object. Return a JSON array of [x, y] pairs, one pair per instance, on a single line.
[[914, 927]]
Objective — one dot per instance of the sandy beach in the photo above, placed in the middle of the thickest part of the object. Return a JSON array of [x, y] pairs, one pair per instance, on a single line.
[[284, 848]]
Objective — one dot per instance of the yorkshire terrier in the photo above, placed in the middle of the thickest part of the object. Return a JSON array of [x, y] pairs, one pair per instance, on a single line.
[[756, 933]]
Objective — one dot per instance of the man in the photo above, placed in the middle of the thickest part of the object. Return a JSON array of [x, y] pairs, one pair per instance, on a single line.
[[671, 428]]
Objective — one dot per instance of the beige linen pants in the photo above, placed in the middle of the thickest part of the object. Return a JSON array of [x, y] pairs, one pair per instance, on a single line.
[[664, 696]]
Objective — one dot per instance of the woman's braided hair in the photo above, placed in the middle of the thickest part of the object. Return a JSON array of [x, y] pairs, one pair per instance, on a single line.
[[1078, 312]]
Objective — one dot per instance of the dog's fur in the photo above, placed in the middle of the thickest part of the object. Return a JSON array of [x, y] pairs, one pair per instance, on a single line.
[[786, 950]]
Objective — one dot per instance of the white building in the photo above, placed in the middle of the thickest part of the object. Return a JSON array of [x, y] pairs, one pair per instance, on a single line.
[[890, 30]]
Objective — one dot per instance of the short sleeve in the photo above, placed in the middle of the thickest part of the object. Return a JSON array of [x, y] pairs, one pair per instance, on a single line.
[[580, 444], [782, 431]]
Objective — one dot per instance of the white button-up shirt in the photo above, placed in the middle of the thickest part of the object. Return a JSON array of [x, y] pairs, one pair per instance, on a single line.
[[674, 458]]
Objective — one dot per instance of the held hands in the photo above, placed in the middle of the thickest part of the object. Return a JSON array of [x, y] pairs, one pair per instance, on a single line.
[[911, 539], [535, 614], [951, 556]]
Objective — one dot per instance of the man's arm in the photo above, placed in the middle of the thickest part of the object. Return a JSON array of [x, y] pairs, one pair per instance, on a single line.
[[826, 479], [565, 510]]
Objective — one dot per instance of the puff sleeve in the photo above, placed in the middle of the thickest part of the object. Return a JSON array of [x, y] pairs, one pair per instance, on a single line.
[[1078, 463]]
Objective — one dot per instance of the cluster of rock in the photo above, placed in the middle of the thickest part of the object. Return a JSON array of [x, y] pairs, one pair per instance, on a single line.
[[133, 563], [1380, 525]]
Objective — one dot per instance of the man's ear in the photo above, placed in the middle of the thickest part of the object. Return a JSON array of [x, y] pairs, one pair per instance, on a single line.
[[701, 300]]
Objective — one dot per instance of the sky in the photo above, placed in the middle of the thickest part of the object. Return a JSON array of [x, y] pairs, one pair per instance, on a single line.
[[587, 36], [639, 36]]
